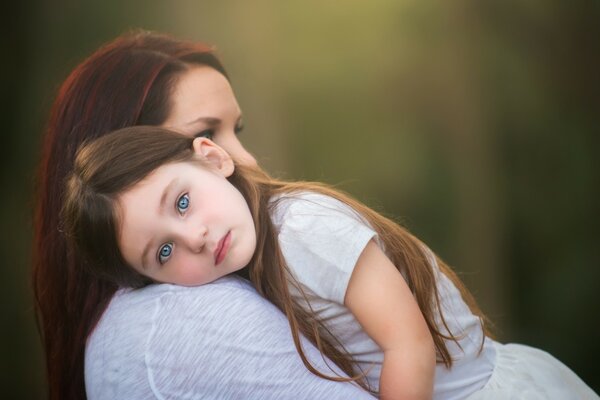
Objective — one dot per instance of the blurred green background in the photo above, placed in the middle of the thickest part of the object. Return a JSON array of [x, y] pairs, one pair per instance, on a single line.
[[475, 123]]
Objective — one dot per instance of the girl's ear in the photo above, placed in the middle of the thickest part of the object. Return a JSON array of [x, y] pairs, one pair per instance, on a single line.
[[219, 158]]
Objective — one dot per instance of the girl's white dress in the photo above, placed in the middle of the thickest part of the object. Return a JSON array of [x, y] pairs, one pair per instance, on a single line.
[[321, 239]]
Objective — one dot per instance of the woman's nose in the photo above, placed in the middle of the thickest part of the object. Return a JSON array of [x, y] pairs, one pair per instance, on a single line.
[[237, 151], [244, 157]]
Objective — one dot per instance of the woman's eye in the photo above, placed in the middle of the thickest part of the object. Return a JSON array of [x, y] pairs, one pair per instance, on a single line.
[[238, 128], [165, 253], [183, 203], [207, 133]]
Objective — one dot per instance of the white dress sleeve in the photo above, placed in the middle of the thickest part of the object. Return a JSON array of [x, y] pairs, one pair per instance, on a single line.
[[321, 239], [217, 341]]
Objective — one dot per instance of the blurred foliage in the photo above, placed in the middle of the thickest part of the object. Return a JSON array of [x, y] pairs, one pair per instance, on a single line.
[[474, 123]]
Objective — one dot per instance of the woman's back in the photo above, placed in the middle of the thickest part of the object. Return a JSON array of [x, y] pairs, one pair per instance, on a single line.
[[167, 341]]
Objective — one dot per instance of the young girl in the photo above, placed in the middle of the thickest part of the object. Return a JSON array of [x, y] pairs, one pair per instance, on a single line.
[[145, 205]]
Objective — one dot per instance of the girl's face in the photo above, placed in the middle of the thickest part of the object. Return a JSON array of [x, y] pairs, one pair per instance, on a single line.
[[185, 223], [203, 105]]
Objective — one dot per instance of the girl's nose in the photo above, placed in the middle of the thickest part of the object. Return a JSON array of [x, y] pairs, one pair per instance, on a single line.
[[196, 238]]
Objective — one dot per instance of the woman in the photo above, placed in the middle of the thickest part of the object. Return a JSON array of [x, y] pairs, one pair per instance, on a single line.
[[149, 79]]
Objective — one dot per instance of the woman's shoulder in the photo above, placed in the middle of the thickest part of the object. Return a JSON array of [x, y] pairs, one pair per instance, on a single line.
[[166, 304], [128, 296], [173, 324], [220, 340]]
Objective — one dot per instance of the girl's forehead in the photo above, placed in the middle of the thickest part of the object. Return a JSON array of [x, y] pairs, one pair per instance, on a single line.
[[146, 186], [164, 175]]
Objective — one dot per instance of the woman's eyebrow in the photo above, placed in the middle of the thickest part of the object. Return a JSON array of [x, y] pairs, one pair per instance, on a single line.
[[212, 121], [208, 120]]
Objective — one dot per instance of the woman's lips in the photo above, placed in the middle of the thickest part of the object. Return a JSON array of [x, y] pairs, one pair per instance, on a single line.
[[222, 248]]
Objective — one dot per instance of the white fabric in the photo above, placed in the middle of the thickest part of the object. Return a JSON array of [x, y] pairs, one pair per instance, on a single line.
[[527, 373], [321, 239], [217, 341]]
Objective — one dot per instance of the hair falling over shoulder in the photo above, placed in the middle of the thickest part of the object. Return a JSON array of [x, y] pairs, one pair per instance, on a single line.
[[140, 150], [271, 277], [124, 83]]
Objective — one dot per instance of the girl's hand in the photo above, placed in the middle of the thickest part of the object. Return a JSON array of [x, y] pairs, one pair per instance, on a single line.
[[383, 304]]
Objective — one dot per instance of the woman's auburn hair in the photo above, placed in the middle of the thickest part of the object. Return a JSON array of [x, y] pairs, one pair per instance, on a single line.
[[114, 163], [126, 82]]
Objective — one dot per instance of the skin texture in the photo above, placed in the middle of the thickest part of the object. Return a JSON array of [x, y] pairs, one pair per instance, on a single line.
[[185, 223], [203, 105], [383, 304]]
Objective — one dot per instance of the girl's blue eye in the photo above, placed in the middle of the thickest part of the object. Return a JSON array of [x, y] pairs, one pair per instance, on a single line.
[[164, 253], [183, 202]]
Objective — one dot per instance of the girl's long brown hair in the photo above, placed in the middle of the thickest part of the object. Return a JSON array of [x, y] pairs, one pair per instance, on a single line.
[[126, 82], [114, 163]]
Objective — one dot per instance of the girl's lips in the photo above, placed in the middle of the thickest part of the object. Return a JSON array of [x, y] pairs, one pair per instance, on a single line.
[[222, 248]]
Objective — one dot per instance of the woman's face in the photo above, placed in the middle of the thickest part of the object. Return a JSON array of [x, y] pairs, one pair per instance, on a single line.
[[203, 105]]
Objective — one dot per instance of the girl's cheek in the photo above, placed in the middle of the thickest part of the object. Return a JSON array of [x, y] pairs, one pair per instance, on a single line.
[[192, 273]]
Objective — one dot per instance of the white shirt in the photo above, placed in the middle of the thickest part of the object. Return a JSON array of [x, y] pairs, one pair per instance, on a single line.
[[321, 239], [217, 341]]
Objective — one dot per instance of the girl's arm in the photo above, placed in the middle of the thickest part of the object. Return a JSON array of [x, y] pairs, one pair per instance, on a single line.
[[383, 304]]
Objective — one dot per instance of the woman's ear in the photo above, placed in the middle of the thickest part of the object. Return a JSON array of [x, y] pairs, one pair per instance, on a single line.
[[219, 158]]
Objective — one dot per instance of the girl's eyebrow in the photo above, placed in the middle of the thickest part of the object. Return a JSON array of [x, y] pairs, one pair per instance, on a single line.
[[165, 194], [145, 255], [161, 207]]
